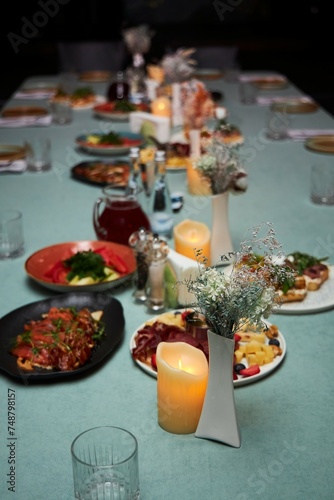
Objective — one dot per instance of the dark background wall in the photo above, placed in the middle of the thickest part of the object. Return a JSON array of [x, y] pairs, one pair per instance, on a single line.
[[294, 37]]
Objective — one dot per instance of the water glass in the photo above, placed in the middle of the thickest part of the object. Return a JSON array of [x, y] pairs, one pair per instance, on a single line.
[[247, 92], [38, 154], [105, 464], [11, 234], [61, 111], [322, 184], [277, 123]]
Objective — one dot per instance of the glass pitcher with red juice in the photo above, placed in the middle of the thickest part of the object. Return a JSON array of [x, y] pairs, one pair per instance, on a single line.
[[122, 215]]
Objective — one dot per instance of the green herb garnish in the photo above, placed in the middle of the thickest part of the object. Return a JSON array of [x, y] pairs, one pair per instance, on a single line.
[[124, 106], [82, 92], [302, 261], [86, 263], [111, 138]]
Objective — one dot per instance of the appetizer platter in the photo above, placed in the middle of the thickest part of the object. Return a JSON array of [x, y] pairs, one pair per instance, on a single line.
[[24, 111], [311, 289], [178, 154], [80, 98], [256, 355], [93, 266], [25, 352], [224, 132], [118, 110], [108, 144], [102, 173]]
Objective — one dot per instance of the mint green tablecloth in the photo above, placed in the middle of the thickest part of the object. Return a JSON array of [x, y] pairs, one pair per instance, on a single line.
[[286, 419]]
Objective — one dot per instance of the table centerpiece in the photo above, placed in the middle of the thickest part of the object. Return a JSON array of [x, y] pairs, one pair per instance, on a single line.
[[221, 166], [229, 302]]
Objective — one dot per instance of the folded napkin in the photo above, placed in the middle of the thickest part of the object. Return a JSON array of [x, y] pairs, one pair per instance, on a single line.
[[271, 100], [158, 126], [38, 94], [302, 134], [26, 121], [181, 268], [17, 166]]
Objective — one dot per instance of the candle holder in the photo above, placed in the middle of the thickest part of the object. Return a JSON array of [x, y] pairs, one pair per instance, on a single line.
[[157, 254], [140, 241]]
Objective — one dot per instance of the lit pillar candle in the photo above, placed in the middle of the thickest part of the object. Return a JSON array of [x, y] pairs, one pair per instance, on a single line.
[[182, 380], [190, 236], [197, 184], [161, 106]]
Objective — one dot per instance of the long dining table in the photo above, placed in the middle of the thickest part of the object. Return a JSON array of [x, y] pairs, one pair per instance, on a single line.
[[285, 418]]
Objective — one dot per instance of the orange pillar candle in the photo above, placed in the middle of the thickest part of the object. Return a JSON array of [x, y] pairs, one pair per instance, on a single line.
[[197, 184], [161, 107], [182, 380], [190, 236]]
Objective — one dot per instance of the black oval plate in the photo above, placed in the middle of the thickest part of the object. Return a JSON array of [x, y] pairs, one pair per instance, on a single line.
[[78, 172], [12, 324]]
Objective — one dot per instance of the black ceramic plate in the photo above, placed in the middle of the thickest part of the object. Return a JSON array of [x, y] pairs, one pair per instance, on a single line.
[[102, 173], [12, 324]]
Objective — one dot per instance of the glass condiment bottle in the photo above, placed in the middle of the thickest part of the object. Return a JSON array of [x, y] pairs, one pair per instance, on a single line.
[[119, 88], [157, 254], [160, 210], [133, 185], [136, 76]]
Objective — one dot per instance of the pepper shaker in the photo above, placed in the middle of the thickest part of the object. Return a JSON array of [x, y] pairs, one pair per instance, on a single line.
[[157, 255], [140, 241]]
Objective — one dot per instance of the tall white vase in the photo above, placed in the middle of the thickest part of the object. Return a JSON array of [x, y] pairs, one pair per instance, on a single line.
[[221, 242], [195, 143], [218, 420], [177, 115]]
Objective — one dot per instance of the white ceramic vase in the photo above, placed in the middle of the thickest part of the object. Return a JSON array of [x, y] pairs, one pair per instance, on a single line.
[[195, 143], [218, 420], [221, 243], [177, 115]]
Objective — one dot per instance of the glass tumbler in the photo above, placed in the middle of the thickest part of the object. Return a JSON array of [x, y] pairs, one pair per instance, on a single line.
[[105, 464]]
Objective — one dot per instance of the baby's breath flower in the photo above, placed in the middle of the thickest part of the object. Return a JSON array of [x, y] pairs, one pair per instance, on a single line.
[[249, 293]]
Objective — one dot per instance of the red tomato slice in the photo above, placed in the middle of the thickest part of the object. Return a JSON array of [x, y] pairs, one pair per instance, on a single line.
[[251, 370]]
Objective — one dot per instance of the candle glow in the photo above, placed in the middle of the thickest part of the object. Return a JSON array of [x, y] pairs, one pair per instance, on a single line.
[[161, 107], [190, 236], [181, 386]]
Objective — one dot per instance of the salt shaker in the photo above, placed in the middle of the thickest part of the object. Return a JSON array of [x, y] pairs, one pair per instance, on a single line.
[[157, 254], [140, 241]]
